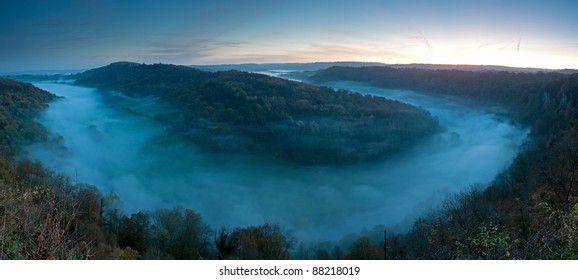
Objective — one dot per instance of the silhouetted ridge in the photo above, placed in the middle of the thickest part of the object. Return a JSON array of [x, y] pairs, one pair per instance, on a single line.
[[19, 104], [521, 92], [239, 111]]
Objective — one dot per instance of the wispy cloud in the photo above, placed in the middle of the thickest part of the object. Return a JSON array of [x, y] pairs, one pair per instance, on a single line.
[[425, 40], [69, 32]]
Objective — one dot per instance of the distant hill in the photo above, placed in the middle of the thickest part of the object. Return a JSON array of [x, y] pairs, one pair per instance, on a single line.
[[315, 66], [259, 67], [19, 104], [523, 93], [297, 122], [38, 77], [468, 67]]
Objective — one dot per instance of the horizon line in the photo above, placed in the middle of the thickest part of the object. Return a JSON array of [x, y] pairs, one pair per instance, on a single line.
[[80, 69]]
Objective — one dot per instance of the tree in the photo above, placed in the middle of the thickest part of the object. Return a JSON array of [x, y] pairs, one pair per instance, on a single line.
[[265, 242], [364, 249], [225, 245], [490, 243], [178, 234]]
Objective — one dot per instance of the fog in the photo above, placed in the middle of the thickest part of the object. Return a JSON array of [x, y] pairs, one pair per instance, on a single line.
[[96, 140]]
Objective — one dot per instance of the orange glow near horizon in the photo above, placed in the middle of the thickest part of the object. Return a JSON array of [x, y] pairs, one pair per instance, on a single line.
[[467, 49], [521, 59], [511, 33]]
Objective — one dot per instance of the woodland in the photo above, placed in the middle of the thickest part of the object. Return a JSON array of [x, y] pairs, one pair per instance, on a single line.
[[235, 111], [530, 210]]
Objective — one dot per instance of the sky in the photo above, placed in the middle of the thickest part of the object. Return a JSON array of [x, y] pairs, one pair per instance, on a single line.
[[82, 34]]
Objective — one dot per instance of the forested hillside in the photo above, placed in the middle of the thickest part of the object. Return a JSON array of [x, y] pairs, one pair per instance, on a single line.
[[524, 94], [236, 111], [19, 103], [530, 211], [47, 215]]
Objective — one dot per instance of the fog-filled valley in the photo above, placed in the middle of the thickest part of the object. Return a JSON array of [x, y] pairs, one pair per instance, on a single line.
[[288, 130], [113, 142], [136, 161]]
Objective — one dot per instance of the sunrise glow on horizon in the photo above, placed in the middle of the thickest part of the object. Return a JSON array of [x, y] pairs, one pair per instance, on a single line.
[[67, 34]]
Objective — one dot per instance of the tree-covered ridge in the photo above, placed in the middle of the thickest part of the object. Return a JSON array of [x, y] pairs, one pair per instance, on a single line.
[[523, 93], [19, 104], [530, 211], [45, 215], [238, 111]]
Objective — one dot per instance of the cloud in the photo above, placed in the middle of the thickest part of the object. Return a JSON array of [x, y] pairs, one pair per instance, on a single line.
[[215, 31]]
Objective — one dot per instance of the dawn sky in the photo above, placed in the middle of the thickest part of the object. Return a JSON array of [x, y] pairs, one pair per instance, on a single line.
[[69, 34]]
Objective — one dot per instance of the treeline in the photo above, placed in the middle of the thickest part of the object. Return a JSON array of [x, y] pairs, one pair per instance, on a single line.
[[236, 111], [19, 103], [530, 211], [46, 215], [524, 94]]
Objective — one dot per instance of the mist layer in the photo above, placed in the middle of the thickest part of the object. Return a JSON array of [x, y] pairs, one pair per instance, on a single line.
[[118, 147]]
